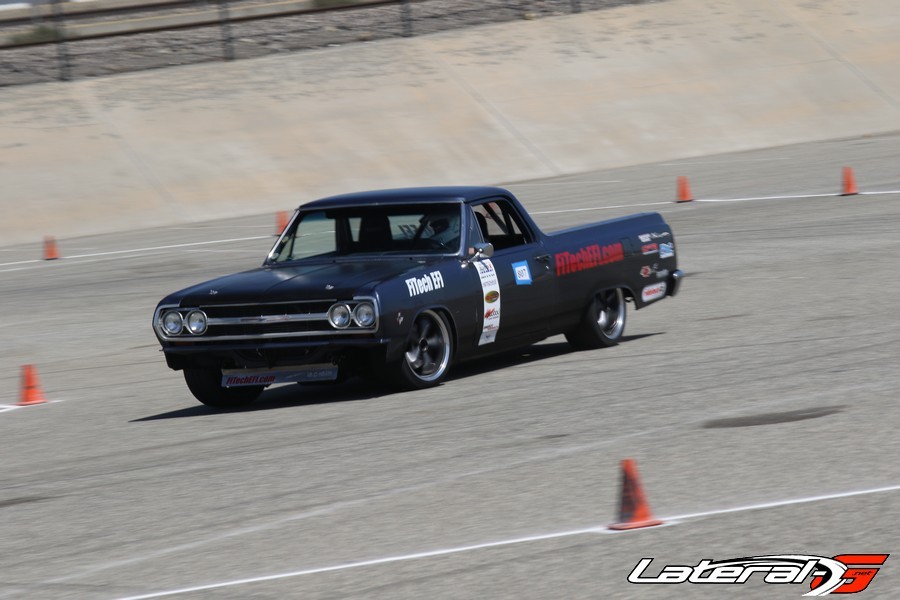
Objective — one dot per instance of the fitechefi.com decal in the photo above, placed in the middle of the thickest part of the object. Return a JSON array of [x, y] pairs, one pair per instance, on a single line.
[[490, 290], [841, 574], [590, 257]]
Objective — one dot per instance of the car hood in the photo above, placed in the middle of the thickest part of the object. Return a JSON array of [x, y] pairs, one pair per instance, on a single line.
[[332, 280]]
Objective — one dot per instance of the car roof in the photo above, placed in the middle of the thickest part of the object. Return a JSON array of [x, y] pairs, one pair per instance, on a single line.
[[409, 195]]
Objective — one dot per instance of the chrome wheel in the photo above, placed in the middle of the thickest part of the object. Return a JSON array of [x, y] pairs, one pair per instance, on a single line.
[[602, 323], [611, 313], [428, 349]]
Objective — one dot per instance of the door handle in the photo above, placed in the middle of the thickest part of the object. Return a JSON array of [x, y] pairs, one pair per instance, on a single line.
[[543, 258]]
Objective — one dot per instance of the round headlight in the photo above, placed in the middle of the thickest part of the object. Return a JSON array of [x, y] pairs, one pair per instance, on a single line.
[[339, 316], [196, 322], [364, 314], [172, 322]]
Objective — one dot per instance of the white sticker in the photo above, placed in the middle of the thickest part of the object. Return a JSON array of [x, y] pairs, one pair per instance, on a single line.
[[424, 284], [652, 292], [522, 273], [490, 290]]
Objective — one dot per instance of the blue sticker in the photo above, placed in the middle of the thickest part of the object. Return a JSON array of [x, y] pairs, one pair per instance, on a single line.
[[522, 272], [666, 251]]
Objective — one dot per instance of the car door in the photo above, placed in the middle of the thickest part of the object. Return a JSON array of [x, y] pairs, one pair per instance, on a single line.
[[517, 282]]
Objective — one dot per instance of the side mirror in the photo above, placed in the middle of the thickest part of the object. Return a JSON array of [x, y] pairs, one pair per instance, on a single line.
[[482, 251]]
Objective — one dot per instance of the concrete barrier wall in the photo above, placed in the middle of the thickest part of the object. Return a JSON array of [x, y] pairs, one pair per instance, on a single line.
[[485, 105]]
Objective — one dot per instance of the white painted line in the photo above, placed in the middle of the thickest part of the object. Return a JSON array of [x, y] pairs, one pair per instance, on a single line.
[[497, 544], [764, 198], [21, 262], [556, 183], [366, 563], [138, 250], [191, 244], [210, 227], [722, 162], [8, 407], [832, 195], [776, 504], [569, 210]]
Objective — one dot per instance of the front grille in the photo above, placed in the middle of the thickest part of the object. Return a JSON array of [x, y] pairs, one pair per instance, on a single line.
[[261, 321], [228, 311], [268, 320]]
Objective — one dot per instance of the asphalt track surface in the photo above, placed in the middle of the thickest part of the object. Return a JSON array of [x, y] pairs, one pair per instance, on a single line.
[[760, 406]]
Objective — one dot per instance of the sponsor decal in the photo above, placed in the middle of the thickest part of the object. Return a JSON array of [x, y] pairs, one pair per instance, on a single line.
[[652, 292], [297, 374], [588, 258], [490, 288], [427, 283], [249, 380], [522, 273], [666, 250], [841, 574], [647, 237], [649, 249], [648, 270]]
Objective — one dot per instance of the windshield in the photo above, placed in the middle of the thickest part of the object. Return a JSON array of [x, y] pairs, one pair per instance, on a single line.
[[371, 230]]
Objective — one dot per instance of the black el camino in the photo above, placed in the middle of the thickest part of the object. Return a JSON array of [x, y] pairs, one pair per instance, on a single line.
[[401, 284]]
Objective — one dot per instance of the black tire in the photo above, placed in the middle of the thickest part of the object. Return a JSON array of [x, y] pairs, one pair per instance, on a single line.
[[426, 359], [603, 322], [206, 386]]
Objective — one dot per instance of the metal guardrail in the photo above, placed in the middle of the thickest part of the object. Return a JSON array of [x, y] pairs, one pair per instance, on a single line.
[[45, 10], [65, 40], [74, 24], [226, 11]]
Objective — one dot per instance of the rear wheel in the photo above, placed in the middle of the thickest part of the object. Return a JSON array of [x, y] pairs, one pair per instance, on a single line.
[[206, 386], [428, 350], [603, 322]]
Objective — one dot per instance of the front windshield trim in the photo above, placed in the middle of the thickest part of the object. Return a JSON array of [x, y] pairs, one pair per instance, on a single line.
[[431, 210]]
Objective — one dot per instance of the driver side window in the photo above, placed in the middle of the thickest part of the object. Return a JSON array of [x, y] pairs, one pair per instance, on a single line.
[[500, 224]]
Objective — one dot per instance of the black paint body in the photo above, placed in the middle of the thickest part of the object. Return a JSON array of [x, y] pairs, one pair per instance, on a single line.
[[567, 268]]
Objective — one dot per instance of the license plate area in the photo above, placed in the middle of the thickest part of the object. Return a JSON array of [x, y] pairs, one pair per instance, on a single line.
[[298, 374]]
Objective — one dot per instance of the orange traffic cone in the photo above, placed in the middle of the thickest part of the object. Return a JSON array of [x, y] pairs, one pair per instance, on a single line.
[[684, 189], [634, 511], [50, 250], [849, 183], [31, 389], [282, 221]]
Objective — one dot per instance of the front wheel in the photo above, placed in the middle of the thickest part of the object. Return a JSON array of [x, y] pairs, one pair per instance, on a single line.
[[206, 386], [428, 350], [603, 322]]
